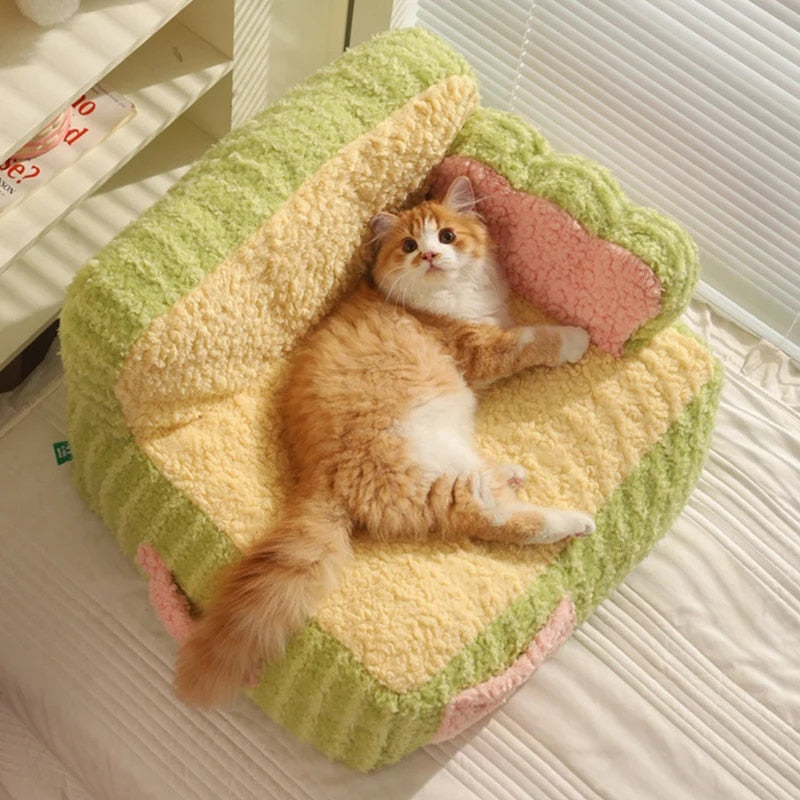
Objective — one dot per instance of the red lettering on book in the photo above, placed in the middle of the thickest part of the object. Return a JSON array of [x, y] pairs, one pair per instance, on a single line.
[[73, 134], [83, 106]]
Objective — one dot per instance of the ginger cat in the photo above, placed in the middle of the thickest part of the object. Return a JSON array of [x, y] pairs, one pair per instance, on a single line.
[[379, 414]]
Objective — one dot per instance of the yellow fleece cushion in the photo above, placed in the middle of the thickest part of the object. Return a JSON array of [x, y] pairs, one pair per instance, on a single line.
[[405, 611]]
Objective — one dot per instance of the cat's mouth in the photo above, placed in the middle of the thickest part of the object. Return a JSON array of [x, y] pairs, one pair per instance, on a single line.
[[438, 269]]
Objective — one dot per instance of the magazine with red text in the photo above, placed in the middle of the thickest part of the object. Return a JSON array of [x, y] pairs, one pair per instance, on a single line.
[[89, 120]]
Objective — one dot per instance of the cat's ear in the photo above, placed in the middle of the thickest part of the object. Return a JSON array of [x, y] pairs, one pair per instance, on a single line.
[[382, 223], [460, 197]]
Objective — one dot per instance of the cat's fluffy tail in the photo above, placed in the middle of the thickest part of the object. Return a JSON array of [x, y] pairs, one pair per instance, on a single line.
[[261, 601]]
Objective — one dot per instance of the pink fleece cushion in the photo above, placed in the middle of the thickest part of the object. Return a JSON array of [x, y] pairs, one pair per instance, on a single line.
[[555, 263]]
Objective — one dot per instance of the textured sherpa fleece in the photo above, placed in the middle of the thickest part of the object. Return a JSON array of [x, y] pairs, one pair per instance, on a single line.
[[174, 340]]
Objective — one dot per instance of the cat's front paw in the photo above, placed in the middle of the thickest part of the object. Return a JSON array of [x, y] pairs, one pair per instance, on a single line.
[[574, 344]]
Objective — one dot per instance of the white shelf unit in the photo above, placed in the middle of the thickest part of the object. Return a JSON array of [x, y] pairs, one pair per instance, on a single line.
[[193, 68], [174, 60], [44, 69]]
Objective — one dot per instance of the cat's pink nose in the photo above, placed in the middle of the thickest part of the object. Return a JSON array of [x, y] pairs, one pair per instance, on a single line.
[[429, 256]]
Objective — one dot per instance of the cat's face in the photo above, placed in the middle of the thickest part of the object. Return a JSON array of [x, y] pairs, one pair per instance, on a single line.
[[430, 248]]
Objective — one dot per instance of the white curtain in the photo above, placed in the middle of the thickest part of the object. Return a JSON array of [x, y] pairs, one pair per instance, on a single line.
[[693, 104]]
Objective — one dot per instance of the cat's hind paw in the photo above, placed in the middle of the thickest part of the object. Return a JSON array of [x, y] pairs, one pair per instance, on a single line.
[[513, 474], [560, 524]]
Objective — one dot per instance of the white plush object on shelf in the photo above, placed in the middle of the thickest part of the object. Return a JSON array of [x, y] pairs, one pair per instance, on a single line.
[[48, 12]]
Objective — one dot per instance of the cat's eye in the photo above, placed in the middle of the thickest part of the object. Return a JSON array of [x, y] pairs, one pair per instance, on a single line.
[[447, 235], [408, 245]]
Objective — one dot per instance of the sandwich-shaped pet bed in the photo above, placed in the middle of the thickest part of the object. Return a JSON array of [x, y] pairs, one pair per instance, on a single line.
[[175, 337]]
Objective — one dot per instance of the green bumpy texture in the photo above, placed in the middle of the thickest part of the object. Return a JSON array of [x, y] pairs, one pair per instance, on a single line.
[[319, 690], [589, 192]]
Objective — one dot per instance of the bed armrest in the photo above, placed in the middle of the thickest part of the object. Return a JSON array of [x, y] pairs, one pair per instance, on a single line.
[[571, 241]]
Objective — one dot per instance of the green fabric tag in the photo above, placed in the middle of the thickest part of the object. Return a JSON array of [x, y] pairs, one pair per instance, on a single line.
[[62, 451]]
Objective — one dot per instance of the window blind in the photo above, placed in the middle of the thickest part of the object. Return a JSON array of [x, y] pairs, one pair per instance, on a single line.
[[694, 105]]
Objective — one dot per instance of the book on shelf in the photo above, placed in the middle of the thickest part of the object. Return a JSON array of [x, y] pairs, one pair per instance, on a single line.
[[89, 120]]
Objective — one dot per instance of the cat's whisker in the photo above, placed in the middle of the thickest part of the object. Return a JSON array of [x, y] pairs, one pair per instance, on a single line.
[[403, 300], [481, 199], [488, 196], [390, 291], [398, 297]]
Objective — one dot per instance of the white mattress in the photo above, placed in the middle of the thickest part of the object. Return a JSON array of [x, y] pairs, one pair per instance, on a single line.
[[684, 684]]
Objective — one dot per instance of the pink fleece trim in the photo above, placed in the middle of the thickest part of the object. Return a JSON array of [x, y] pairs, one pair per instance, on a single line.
[[555, 263], [170, 604], [475, 703]]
